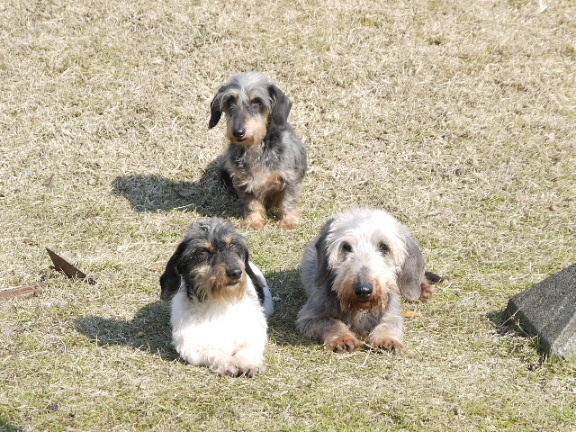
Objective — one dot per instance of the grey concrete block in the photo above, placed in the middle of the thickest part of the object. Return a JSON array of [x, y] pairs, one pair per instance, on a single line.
[[548, 310]]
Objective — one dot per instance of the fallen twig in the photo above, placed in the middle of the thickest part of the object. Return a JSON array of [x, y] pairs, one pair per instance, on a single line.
[[20, 291]]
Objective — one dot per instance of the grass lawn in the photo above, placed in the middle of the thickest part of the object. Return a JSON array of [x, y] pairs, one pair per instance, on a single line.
[[458, 117]]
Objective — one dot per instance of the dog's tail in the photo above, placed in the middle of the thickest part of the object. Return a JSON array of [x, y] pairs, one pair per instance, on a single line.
[[433, 277]]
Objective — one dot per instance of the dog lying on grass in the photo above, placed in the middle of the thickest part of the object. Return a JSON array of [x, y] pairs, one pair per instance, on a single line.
[[220, 301], [354, 273]]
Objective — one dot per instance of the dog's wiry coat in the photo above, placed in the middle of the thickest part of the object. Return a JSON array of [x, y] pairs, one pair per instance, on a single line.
[[220, 300], [265, 162], [354, 273]]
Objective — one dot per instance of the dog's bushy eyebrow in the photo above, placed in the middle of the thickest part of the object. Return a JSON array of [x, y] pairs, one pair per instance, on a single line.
[[230, 240], [238, 243], [226, 100], [207, 246], [231, 95]]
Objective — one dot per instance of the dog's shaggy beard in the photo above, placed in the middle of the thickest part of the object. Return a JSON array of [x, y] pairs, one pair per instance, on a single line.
[[368, 265], [349, 302], [215, 286]]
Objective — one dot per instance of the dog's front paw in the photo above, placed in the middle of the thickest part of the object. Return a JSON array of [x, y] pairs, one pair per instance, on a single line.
[[388, 343], [343, 343], [255, 221], [248, 363], [225, 368], [426, 292], [289, 221], [237, 367], [250, 370]]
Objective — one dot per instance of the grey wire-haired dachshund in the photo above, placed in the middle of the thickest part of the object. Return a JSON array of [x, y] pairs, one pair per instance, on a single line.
[[265, 162], [354, 273]]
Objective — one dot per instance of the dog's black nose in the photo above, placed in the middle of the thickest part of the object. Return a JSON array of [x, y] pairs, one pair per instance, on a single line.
[[363, 290], [234, 273], [239, 132]]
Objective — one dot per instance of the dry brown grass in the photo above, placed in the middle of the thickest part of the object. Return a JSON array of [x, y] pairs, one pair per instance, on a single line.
[[456, 116]]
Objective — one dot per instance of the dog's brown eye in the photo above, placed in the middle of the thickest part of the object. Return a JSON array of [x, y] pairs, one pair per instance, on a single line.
[[383, 248], [346, 247], [256, 104], [202, 252]]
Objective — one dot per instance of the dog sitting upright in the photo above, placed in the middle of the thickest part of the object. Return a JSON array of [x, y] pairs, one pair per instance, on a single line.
[[354, 273], [265, 162], [220, 300]]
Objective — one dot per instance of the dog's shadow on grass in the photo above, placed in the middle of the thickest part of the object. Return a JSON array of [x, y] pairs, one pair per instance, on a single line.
[[8, 427], [148, 331], [208, 196], [289, 298]]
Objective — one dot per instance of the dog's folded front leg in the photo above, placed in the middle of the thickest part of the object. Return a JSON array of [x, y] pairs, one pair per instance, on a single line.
[[339, 338], [383, 338], [222, 363], [245, 361], [289, 211], [248, 359], [254, 212], [218, 360], [290, 220], [334, 333], [224, 366], [389, 333]]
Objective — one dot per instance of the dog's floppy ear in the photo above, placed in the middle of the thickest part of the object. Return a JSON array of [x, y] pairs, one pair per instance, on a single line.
[[281, 106], [323, 271], [170, 279], [256, 281], [411, 273], [216, 108]]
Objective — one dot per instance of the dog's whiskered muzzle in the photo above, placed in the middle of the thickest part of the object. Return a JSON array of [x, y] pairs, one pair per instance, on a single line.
[[363, 290]]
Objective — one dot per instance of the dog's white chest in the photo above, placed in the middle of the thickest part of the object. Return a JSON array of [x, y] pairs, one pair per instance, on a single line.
[[200, 327]]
